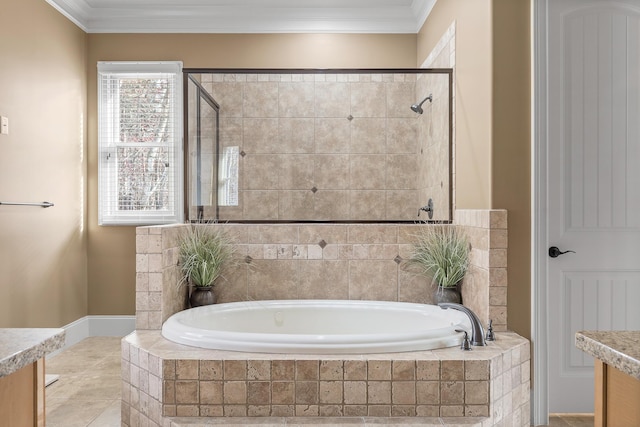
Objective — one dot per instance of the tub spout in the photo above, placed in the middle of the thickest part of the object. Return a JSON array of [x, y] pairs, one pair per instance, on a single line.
[[477, 331]]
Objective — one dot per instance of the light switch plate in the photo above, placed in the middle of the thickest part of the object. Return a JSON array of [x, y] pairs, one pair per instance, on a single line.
[[4, 125]]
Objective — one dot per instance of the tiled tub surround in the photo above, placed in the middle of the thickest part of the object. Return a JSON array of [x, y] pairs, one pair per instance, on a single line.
[[162, 380], [329, 146], [169, 384], [324, 261]]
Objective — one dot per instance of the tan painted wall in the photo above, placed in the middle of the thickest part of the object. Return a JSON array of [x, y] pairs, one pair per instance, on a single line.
[[511, 152], [43, 267], [493, 123], [111, 250]]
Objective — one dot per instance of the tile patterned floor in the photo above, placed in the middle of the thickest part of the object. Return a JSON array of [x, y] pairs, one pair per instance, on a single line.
[[87, 394]]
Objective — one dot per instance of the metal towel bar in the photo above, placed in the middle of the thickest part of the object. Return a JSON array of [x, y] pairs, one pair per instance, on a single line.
[[42, 204]]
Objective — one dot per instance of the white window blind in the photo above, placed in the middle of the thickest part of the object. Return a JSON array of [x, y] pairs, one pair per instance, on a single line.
[[140, 143]]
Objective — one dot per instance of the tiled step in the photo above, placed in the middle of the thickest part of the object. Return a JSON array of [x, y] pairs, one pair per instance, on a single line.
[[326, 422]]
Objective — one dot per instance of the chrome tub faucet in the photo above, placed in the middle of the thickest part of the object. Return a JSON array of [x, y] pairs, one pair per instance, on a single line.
[[477, 331]]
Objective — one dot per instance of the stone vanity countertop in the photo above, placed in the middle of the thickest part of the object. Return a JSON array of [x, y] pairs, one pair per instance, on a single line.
[[20, 347], [620, 349]]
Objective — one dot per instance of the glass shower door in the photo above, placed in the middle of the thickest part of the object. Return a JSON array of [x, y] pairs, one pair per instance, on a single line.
[[202, 147]]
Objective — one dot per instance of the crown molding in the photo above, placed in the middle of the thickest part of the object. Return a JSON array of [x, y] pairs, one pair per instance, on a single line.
[[246, 16]]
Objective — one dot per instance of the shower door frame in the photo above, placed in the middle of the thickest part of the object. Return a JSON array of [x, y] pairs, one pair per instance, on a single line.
[[187, 72], [201, 94]]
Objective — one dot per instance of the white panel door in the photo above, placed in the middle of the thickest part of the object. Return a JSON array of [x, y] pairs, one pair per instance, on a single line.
[[593, 184]]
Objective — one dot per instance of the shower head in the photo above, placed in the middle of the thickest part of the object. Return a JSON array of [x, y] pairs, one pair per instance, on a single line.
[[417, 108]]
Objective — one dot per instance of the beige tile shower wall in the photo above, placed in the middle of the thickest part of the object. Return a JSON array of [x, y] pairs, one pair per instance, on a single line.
[[320, 146], [433, 131], [323, 261], [433, 151], [485, 287]]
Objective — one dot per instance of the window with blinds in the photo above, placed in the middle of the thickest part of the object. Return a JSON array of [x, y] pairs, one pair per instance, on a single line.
[[140, 143]]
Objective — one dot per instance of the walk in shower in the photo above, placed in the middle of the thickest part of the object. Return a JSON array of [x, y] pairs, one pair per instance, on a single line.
[[318, 145]]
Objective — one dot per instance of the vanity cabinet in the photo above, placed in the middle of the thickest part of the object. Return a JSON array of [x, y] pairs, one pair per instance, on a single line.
[[617, 375], [22, 396], [617, 397], [22, 387]]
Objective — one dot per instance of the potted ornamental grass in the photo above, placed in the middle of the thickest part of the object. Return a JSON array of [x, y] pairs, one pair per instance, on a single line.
[[204, 253], [442, 254]]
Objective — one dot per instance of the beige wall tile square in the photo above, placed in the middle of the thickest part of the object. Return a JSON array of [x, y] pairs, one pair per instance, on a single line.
[[452, 392], [355, 392], [306, 392], [187, 392], [259, 370], [331, 392], [187, 369], [452, 370], [283, 370], [331, 370], [373, 280], [324, 279], [400, 95], [355, 370], [476, 392], [272, 280], [235, 370], [476, 370], [211, 392], [368, 136], [332, 136], [296, 99], [307, 370], [363, 95], [428, 370], [260, 99], [379, 370], [379, 392], [259, 392], [403, 370], [235, 392], [428, 392], [283, 392], [403, 392], [332, 99]]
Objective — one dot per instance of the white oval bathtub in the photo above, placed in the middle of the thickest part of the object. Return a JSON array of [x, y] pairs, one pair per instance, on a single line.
[[317, 327]]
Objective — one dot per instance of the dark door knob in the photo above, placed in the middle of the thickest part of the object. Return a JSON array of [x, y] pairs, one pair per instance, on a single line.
[[554, 252]]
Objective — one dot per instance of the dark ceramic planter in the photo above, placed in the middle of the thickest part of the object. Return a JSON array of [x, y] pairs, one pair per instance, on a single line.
[[447, 295], [202, 296]]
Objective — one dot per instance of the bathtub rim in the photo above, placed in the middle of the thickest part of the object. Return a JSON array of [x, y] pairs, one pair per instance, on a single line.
[[428, 339]]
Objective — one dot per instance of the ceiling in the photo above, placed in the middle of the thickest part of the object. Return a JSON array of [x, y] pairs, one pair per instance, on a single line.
[[246, 16]]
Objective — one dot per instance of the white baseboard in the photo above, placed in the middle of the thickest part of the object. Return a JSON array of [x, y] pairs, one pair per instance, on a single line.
[[97, 326]]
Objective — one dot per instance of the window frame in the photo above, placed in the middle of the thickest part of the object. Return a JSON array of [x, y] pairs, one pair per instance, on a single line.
[[108, 212]]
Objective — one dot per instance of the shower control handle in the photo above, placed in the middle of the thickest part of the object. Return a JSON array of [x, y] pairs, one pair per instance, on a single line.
[[428, 209], [554, 252]]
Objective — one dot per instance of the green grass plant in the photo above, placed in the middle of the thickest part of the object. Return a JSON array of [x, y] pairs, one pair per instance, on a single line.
[[203, 253], [442, 253]]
